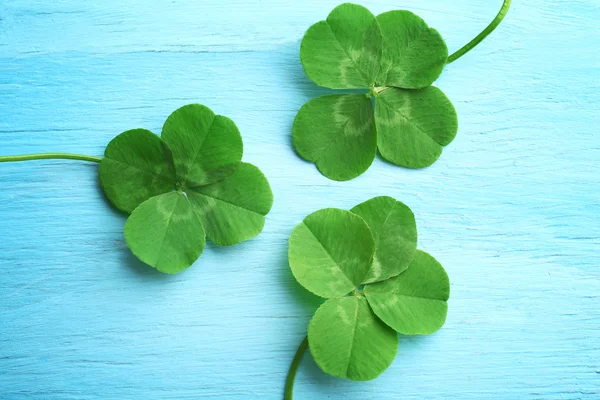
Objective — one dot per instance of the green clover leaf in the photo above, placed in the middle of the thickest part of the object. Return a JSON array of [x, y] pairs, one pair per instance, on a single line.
[[137, 166], [414, 302], [331, 252], [347, 340], [344, 51], [234, 209], [395, 232], [414, 54], [166, 233], [396, 56], [186, 186], [334, 131], [211, 153], [413, 126], [376, 282]]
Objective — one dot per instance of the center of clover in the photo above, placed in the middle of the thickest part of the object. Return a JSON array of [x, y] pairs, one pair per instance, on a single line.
[[181, 188]]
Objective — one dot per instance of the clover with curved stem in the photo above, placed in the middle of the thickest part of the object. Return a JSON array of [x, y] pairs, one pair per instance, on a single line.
[[396, 56], [180, 188], [366, 264]]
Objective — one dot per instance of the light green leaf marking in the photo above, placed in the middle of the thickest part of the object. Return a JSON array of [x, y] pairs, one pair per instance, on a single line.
[[343, 51], [137, 165], [165, 233], [338, 134], [233, 210], [206, 147], [330, 252], [414, 302], [348, 341], [414, 54], [395, 232], [414, 125]]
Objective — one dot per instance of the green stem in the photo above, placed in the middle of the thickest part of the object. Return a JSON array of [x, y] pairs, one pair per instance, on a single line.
[[479, 38], [289, 383], [49, 156]]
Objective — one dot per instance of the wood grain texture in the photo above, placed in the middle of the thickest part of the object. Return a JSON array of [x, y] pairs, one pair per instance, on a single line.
[[511, 208]]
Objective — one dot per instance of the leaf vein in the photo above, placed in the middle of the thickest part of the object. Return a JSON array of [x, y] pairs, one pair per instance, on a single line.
[[143, 171], [328, 254], [198, 151], [227, 202], [417, 297], [353, 334], [362, 74], [396, 112], [162, 244]]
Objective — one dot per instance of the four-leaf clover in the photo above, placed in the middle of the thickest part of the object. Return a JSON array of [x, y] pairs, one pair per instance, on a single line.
[[184, 186], [396, 56], [366, 264]]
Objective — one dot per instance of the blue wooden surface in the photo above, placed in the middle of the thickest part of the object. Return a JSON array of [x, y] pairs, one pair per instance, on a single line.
[[511, 209]]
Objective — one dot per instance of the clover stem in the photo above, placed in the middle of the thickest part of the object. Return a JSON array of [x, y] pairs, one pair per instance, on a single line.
[[479, 38], [289, 383], [50, 156]]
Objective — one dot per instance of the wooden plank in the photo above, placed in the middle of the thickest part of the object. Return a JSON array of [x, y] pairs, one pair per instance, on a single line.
[[511, 208]]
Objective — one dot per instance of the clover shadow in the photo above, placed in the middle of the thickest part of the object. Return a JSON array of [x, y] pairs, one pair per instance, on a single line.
[[116, 212], [301, 84], [127, 258], [307, 304], [294, 73], [139, 269]]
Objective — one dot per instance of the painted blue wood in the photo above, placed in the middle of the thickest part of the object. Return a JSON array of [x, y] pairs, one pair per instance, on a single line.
[[511, 209]]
